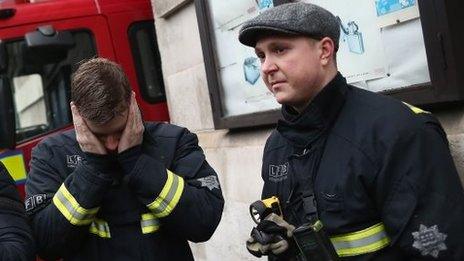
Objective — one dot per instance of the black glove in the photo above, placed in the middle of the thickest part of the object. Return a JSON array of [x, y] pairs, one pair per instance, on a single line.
[[270, 236]]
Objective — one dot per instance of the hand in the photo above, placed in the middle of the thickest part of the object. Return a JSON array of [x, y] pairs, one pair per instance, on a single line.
[[86, 139], [260, 243], [256, 248], [133, 132], [276, 224], [271, 236]]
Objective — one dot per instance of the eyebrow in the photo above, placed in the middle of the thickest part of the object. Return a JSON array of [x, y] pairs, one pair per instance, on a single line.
[[273, 44]]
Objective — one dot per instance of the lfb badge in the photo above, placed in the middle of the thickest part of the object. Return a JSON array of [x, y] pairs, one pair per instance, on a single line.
[[73, 160], [278, 173], [429, 241]]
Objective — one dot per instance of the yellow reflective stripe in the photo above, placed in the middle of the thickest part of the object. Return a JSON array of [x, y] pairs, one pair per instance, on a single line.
[[360, 234], [361, 242], [170, 195], [149, 223], [363, 249], [70, 208], [14, 163], [416, 110], [100, 228]]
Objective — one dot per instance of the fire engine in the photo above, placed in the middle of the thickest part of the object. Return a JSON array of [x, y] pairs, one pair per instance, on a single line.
[[42, 43]]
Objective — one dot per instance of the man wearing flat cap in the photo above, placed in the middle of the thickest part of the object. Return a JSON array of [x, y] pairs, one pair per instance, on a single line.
[[371, 174]]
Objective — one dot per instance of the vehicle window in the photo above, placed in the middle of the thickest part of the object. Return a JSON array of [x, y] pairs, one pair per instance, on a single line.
[[41, 90], [28, 97], [147, 61]]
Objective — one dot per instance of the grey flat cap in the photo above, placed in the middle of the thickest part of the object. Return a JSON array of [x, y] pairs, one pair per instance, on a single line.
[[292, 19]]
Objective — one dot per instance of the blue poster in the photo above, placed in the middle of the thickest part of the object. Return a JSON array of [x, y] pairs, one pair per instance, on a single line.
[[389, 6], [265, 4]]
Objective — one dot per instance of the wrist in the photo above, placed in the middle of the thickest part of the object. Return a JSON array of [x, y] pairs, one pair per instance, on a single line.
[[128, 158], [101, 162]]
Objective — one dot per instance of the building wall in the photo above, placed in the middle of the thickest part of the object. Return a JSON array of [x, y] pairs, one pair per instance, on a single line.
[[236, 156]]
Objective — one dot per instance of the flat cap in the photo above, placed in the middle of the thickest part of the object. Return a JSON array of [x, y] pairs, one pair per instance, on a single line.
[[292, 19]]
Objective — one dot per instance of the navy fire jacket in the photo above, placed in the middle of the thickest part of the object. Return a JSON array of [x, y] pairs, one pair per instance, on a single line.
[[383, 178], [16, 241], [143, 206]]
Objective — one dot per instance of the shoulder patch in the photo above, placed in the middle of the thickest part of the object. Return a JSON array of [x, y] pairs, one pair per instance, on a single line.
[[429, 241], [211, 182]]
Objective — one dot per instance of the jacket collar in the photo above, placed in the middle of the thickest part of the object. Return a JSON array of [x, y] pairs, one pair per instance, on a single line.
[[304, 128]]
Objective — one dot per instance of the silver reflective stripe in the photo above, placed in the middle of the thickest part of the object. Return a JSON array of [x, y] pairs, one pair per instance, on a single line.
[[361, 242], [169, 197], [149, 223], [100, 228], [71, 210]]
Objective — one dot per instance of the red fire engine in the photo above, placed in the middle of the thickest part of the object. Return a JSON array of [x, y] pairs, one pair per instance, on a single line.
[[40, 44]]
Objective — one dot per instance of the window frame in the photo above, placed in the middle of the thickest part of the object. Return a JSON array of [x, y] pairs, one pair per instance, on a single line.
[[440, 22], [136, 54], [47, 104]]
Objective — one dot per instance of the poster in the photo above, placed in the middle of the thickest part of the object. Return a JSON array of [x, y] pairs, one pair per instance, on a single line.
[[361, 53], [369, 54], [390, 12], [243, 90], [227, 15]]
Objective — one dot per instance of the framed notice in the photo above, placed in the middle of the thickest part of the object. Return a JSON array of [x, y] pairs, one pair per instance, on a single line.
[[390, 12], [403, 48]]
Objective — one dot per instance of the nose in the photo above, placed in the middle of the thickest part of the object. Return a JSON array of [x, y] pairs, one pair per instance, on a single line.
[[268, 66], [111, 143]]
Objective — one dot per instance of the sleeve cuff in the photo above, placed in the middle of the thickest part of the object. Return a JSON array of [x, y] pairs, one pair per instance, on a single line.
[[157, 187], [167, 200], [71, 209]]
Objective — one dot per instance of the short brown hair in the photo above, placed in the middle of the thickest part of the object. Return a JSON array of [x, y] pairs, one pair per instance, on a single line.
[[100, 90]]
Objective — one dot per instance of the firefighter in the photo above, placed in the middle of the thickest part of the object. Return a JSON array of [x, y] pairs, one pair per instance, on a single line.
[[375, 171], [116, 188], [16, 241]]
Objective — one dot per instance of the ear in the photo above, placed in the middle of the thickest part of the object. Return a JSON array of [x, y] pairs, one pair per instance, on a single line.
[[327, 48]]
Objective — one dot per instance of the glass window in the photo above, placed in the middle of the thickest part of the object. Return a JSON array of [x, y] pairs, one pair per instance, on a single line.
[[40, 87], [147, 61]]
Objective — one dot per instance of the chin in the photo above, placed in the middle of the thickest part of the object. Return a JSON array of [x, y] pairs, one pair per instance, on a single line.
[[112, 152], [281, 99]]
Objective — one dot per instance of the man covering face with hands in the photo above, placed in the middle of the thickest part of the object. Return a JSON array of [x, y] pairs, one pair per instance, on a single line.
[[116, 188], [122, 132]]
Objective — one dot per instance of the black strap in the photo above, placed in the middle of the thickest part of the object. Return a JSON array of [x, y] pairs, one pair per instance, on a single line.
[[308, 194], [310, 205]]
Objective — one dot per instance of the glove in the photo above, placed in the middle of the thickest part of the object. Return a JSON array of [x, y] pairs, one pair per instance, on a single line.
[[256, 244], [270, 236], [257, 249], [274, 224]]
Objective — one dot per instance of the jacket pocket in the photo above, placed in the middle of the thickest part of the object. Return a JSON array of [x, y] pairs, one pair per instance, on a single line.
[[331, 202]]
